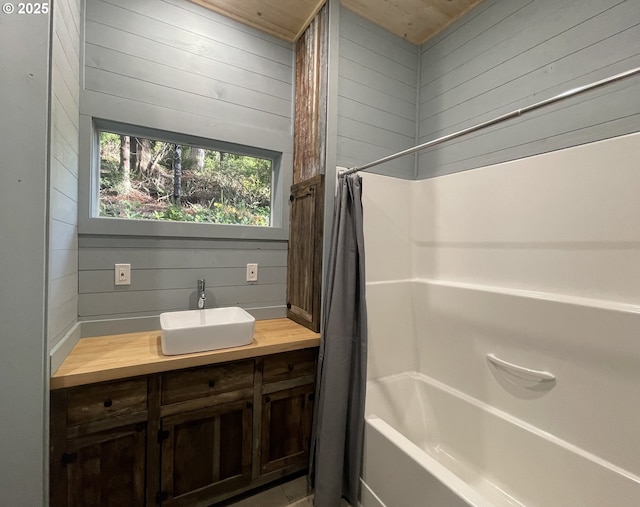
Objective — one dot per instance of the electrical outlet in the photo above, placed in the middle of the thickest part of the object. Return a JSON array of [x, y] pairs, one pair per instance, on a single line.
[[252, 272], [123, 274]]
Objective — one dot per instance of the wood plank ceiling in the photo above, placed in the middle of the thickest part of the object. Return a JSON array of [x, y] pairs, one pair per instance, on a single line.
[[414, 20], [286, 19]]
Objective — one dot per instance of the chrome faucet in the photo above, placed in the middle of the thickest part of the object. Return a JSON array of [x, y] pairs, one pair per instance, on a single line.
[[203, 296]]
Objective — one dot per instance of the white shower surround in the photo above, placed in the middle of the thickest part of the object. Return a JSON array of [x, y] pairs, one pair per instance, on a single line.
[[537, 261]]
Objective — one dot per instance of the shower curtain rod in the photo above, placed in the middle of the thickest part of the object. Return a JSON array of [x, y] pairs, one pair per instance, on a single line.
[[498, 119]]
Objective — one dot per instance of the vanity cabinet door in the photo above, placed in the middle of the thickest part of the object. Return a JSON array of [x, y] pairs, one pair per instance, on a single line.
[[286, 428], [98, 444], [105, 468], [206, 452]]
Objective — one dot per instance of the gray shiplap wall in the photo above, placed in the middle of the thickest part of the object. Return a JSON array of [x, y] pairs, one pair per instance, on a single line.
[[174, 66], [378, 75], [24, 382], [164, 275], [509, 54], [63, 183]]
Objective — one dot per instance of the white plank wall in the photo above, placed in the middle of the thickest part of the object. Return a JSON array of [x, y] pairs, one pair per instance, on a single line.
[[63, 213], [509, 54], [175, 66], [378, 75]]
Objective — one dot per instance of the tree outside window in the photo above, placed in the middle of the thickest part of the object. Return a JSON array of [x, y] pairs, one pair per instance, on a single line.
[[148, 179]]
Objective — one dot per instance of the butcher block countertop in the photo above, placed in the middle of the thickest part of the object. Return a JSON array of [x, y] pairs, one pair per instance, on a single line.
[[127, 355]]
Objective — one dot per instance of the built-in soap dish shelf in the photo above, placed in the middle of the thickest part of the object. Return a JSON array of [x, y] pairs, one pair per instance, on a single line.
[[521, 375]]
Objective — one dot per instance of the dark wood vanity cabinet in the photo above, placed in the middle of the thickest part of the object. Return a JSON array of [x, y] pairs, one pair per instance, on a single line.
[[98, 444], [186, 437], [107, 467], [286, 428], [206, 452], [287, 409], [206, 432]]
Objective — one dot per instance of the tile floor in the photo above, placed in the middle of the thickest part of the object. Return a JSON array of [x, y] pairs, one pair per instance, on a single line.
[[289, 494]]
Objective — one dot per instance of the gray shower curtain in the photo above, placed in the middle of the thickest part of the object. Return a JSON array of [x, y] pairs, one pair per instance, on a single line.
[[336, 447]]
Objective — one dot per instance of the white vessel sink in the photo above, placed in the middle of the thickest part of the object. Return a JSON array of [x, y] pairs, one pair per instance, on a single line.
[[201, 330]]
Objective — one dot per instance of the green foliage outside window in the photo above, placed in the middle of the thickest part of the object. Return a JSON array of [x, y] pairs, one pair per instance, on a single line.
[[143, 178]]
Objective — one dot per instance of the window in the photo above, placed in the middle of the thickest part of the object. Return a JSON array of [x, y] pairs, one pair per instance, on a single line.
[[234, 187], [141, 178]]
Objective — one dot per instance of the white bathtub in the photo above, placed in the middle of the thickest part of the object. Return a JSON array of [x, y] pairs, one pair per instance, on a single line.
[[427, 441], [451, 430], [534, 261]]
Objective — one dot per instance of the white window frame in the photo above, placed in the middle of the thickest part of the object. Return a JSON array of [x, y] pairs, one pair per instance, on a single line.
[[89, 221]]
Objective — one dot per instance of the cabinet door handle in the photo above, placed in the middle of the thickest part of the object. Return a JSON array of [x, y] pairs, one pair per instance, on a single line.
[[68, 457], [212, 382], [249, 404], [267, 399], [107, 403], [290, 367]]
